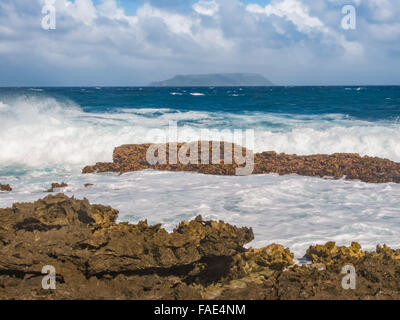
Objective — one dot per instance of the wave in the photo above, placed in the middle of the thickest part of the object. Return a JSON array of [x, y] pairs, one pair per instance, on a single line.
[[301, 210], [36, 89], [40, 132]]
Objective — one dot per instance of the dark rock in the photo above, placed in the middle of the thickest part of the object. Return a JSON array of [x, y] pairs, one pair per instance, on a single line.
[[377, 276], [96, 258], [57, 186], [5, 187]]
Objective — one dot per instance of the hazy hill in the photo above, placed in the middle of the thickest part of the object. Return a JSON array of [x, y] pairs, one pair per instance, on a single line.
[[215, 80]]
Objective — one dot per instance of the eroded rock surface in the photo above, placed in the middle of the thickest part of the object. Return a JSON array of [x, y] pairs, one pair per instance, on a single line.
[[56, 185], [5, 187], [340, 165], [97, 258]]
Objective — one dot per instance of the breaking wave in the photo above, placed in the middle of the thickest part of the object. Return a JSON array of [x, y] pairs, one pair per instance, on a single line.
[[43, 132]]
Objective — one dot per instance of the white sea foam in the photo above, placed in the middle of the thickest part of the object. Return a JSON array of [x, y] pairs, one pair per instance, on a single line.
[[44, 132], [50, 140], [291, 210], [143, 110], [36, 89]]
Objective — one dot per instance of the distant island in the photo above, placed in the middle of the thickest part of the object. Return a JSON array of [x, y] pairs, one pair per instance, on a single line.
[[215, 80]]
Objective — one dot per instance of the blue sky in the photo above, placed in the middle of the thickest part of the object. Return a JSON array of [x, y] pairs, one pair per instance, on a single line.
[[121, 42]]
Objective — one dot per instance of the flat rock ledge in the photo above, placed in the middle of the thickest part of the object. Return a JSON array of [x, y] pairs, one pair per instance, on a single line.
[[128, 158], [97, 258]]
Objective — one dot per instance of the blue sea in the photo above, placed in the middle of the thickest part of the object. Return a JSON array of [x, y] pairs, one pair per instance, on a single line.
[[49, 134]]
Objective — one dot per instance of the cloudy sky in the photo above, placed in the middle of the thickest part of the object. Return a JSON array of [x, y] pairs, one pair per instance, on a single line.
[[133, 42]]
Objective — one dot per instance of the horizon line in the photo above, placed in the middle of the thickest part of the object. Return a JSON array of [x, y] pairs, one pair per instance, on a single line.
[[208, 86]]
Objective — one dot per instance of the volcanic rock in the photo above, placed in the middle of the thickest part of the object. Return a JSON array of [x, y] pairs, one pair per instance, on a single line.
[[336, 166], [56, 185], [97, 258], [5, 187]]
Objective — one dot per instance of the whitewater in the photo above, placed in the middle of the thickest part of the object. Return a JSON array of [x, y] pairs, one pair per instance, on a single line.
[[46, 138]]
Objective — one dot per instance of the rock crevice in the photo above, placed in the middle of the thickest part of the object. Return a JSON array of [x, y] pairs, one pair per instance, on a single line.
[[97, 258]]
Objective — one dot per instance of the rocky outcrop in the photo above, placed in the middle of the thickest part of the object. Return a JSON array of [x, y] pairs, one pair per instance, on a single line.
[[328, 253], [5, 187], [336, 166], [340, 165], [133, 158], [97, 258], [377, 275], [56, 185]]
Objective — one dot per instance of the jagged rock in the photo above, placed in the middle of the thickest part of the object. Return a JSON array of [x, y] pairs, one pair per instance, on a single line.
[[330, 252], [5, 187], [386, 252], [274, 257], [56, 185], [88, 185], [377, 277], [97, 258], [89, 249], [248, 269], [339, 165]]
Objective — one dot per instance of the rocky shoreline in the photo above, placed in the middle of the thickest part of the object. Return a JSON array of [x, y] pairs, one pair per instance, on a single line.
[[128, 158], [97, 258]]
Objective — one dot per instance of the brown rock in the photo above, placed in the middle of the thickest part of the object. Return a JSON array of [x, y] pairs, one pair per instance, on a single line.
[[330, 252], [336, 166], [96, 258], [57, 186], [5, 187]]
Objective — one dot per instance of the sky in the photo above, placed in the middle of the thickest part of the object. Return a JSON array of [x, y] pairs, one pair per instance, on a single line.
[[135, 42]]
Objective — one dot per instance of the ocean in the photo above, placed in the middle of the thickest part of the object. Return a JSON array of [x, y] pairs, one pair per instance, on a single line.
[[49, 134]]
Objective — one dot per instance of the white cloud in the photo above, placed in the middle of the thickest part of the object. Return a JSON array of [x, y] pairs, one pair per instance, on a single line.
[[81, 10], [207, 8], [292, 10], [286, 39], [385, 32], [382, 10], [110, 9], [176, 23]]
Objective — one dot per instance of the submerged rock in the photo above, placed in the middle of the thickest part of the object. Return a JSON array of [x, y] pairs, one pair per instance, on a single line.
[[56, 185], [97, 258], [5, 187], [336, 166]]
